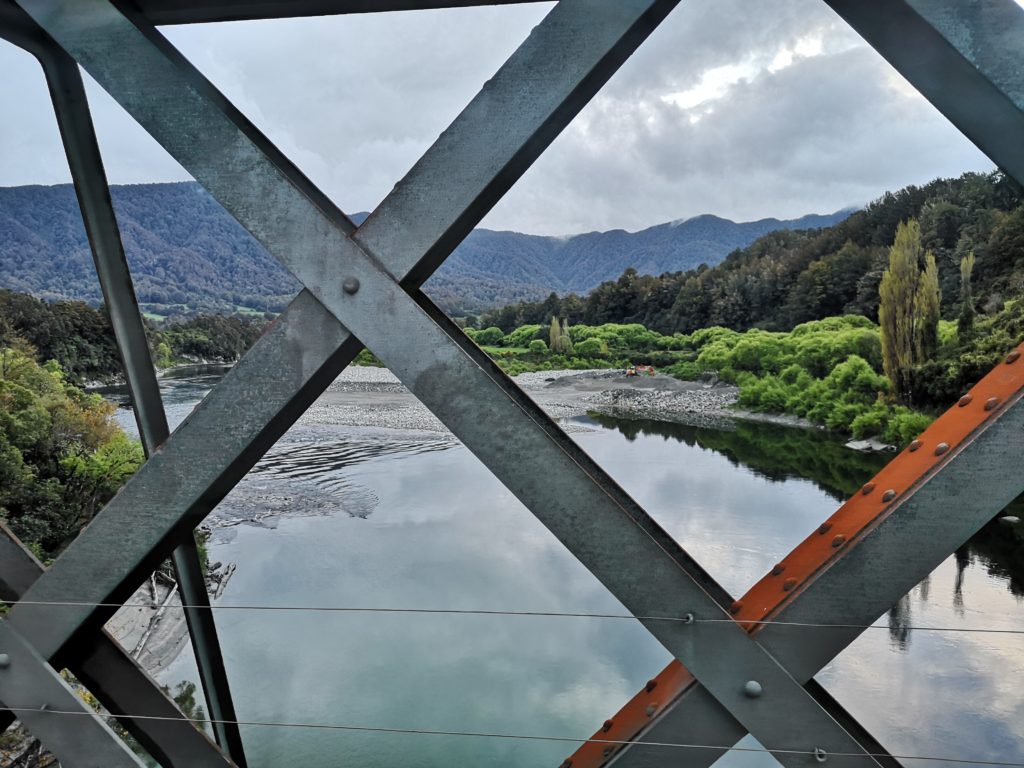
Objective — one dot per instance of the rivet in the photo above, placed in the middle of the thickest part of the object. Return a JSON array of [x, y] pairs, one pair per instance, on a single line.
[[688, 618], [350, 286], [941, 448], [868, 488], [788, 584], [914, 445], [965, 400], [735, 607], [824, 528], [1012, 357], [991, 403], [651, 709], [5, 661], [778, 569], [651, 685], [607, 726], [889, 495], [820, 754], [752, 689], [838, 541]]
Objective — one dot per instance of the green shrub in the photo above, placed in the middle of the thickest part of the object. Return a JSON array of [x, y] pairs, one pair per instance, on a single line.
[[489, 336], [537, 347]]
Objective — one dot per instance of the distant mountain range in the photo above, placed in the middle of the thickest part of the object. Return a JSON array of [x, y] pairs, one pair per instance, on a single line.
[[187, 254]]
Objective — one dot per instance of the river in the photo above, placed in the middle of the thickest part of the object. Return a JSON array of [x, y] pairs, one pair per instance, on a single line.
[[375, 518]]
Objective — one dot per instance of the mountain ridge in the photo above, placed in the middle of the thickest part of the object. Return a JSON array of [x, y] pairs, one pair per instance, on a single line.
[[187, 254]]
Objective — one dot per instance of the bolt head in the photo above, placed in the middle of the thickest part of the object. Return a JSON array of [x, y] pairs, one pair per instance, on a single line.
[[965, 400], [752, 689], [820, 754], [824, 528], [778, 569], [607, 726], [651, 709], [868, 488], [914, 445], [991, 403], [941, 448], [5, 661], [350, 286], [838, 541], [889, 495], [1013, 357], [788, 584]]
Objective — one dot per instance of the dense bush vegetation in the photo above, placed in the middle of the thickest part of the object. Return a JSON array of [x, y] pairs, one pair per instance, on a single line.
[[62, 455], [80, 339]]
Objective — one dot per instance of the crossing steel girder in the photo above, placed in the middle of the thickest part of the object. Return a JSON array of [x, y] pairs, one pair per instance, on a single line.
[[356, 276]]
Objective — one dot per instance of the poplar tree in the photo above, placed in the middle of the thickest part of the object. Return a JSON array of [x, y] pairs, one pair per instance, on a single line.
[[965, 322], [555, 336], [908, 311]]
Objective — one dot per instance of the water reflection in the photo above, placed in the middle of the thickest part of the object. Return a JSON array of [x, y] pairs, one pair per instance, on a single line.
[[443, 533]]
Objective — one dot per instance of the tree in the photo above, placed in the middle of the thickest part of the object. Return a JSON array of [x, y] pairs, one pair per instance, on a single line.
[[908, 312], [555, 336], [965, 322]]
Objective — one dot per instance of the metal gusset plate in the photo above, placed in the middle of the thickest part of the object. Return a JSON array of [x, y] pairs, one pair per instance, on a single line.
[[225, 153]]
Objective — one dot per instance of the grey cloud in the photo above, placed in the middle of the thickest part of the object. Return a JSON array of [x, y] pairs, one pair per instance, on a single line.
[[355, 100]]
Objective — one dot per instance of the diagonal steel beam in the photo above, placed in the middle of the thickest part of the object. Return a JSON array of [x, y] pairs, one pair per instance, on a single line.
[[944, 487], [196, 11], [208, 454], [484, 413], [570, 54], [966, 58], [83, 153], [116, 680], [31, 685]]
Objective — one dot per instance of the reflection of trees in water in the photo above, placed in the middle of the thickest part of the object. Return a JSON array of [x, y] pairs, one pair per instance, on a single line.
[[899, 623], [783, 453], [771, 451]]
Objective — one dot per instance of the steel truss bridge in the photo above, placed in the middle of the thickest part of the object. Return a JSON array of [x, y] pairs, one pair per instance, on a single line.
[[740, 666]]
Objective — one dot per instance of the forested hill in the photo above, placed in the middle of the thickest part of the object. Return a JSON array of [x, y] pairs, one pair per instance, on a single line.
[[188, 255], [788, 277]]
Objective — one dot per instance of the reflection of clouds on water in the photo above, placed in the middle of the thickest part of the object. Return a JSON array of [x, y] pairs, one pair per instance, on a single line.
[[941, 693]]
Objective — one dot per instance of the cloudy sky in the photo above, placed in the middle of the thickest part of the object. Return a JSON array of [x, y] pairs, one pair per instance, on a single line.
[[740, 108]]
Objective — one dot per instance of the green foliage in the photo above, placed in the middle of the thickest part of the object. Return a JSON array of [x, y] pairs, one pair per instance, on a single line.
[[908, 312], [538, 347], [62, 455], [81, 339], [965, 321], [489, 336]]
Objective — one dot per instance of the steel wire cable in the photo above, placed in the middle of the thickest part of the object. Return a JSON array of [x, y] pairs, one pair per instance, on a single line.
[[685, 619], [520, 737]]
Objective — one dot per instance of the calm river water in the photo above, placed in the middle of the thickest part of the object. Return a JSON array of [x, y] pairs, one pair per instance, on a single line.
[[419, 523]]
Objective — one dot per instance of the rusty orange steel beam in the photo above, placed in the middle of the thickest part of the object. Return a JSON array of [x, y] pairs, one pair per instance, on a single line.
[[877, 501]]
